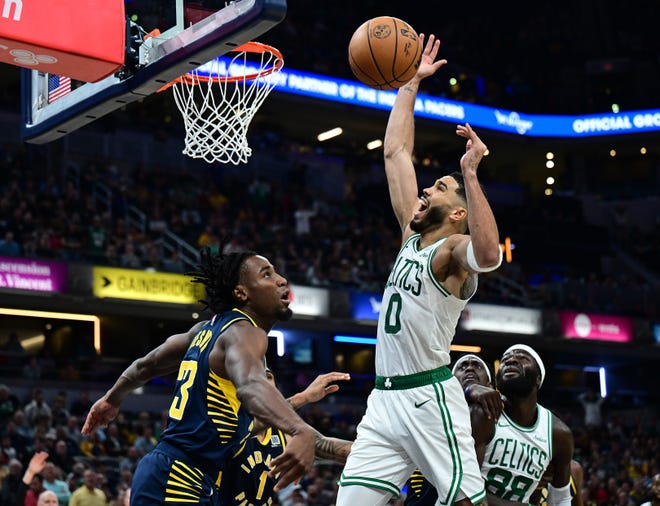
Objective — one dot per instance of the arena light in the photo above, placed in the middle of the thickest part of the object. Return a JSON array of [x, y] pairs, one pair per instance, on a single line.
[[279, 339], [324, 136], [603, 382], [355, 340], [602, 378], [374, 144], [372, 341], [96, 321]]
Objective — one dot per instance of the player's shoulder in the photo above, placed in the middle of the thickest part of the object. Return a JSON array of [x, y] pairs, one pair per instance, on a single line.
[[558, 425]]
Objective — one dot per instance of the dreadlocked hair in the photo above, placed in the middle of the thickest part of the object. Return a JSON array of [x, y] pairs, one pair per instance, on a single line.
[[219, 273]]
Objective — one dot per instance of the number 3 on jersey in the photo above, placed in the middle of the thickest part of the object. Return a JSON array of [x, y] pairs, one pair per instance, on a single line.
[[187, 373]]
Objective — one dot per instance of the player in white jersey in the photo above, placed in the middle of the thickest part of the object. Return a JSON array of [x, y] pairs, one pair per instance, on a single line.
[[516, 451], [417, 416]]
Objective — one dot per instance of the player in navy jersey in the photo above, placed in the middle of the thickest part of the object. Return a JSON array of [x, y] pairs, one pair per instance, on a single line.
[[221, 385], [247, 480]]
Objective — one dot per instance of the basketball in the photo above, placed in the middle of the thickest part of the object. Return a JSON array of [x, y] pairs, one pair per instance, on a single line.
[[384, 53]]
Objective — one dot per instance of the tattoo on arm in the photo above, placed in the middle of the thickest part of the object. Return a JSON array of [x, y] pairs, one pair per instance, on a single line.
[[332, 448]]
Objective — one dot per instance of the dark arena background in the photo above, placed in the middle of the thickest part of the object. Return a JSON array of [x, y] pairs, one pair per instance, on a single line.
[[99, 227]]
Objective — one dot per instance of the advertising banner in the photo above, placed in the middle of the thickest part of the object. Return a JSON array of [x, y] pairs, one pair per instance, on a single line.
[[308, 301], [365, 306], [145, 285], [596, 326], [505, 319], [37, 275]]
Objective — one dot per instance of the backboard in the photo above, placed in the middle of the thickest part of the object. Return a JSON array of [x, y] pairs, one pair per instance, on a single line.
[[165, 39]]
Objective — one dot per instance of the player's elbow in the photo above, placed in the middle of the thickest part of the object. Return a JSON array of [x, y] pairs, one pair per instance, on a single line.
[[489, 259], [390, 150], [483, 260]]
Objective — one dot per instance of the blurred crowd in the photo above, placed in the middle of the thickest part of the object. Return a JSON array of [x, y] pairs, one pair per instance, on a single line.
[[618, 449], [341, 237]]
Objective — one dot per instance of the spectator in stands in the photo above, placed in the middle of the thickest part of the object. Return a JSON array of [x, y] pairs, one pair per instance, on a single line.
[[60, 412], [48, 498], [114, 446], [8, 246], [17, 441], [80, 406], [7, 450], [11, 483], [61, 456], [174, 263], [35, 489], [9, 403], [37, 407], [75, 477], [13, 346], [654, 492], [53, 481], [130, 461], [32, 369], [592, 404], [96, 239], [124, 497], [129, 258], [92, 445], [23, 427], [88, 494], [146, 441]]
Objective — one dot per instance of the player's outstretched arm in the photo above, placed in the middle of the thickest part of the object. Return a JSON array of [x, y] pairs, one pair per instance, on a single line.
[[323, 385], [400, 137], [332, 448], [163, 360], [317, 390], [244, 350], [480, 252]]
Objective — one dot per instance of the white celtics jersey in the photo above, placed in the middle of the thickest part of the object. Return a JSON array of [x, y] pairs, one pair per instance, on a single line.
[[517, 457], [418, 315]]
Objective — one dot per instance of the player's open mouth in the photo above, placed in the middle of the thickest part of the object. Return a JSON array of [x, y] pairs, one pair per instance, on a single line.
[[423, 207]]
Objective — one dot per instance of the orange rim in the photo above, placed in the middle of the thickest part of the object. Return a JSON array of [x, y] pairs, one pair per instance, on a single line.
[[248, 47]]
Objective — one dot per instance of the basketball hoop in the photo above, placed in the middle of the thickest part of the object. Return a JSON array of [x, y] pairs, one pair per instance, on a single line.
[[218, 101]]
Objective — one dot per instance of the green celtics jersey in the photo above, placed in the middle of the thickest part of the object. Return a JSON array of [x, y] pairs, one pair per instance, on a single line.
[[517, 457], [418, 315]]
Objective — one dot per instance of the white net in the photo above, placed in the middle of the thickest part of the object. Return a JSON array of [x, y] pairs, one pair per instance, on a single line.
[[219, 99]]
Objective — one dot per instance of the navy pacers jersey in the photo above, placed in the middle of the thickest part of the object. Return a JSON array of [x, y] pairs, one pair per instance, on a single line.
[[420, 491], [245, 482], [206, 426]]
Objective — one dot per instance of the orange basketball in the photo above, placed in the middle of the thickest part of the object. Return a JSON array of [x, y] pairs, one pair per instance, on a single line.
[[384, 53]]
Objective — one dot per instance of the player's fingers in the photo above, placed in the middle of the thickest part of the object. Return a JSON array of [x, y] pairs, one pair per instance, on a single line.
[[337, 376], [292, 474], [331, 389]]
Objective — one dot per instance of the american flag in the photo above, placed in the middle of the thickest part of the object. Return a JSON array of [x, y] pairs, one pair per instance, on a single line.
[[58, 86]]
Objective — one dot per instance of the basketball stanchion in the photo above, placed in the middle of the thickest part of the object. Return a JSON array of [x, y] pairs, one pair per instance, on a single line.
[[219, 100]]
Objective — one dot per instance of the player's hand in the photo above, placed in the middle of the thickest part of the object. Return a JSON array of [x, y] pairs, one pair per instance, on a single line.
[[474, 148], [490, 401], [428, 65], [323, 386], [296, 461], [100, 415], [37, 462]]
